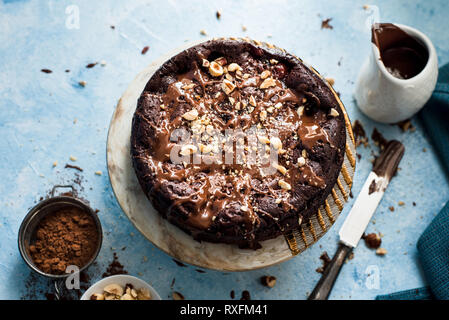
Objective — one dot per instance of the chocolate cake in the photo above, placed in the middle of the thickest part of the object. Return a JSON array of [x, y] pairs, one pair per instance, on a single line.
[[237, 143]]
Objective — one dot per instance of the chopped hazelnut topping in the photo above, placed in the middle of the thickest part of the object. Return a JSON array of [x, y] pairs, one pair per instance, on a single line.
[[276, 143], [203, 32], [331, 81], [284, 185], [162, 106], [231, 100], [188, 86], [252, 101], [269, 82], [265, 74], [301, 161], [268, 281], [300, 111], [188, 149], [215, 69], [244, 208], [222, 61], [234, 67], [227, 86], [229, 77], [191, 115], [333, 113], [206, 63], [263, 139], [304, 153], [237, 106], [263, 115], [270, 109], [281, 169], [278, 105], [274, 61]]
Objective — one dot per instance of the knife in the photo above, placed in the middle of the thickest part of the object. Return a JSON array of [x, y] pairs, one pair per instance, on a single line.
[[365, 205]]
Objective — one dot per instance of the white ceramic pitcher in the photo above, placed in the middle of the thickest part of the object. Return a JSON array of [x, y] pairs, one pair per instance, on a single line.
[[388, 99]]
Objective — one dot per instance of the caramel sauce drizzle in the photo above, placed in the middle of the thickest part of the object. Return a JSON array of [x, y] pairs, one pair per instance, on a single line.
[[220, 186]]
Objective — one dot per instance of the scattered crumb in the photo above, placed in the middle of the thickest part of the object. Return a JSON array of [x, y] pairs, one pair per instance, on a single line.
[[365, 7], [359, 134], [102, 63], [91, 65], [381, 252], [379, 139], [82, 83], [414, 203], [55, 164], [424, 150], [46, 71], [391, 208], [218, 14], [325, 24], [245, 295], [232, 294], [179, 263], [244, 28], [268, 281], [401, 203], [75, 121], [326, 260], [405, 125], [73, 167], [203, 32], [145, 49], [331, 81], [372, 240], [67, 70], [177, 296], [98, 173], [72, 158], [351, 255]]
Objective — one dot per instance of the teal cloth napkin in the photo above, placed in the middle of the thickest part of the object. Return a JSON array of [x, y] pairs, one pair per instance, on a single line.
[[433, 245]]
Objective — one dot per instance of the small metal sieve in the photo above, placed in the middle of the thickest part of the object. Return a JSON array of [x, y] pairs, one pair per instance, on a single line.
[[27, 230]]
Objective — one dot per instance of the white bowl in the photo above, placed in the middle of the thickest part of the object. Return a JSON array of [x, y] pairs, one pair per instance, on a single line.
[[122, 280]]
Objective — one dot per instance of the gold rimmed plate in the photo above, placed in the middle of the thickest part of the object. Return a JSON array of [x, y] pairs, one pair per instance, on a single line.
[[182, 246]]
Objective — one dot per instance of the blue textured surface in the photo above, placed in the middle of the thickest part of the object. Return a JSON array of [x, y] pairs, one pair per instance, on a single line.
[[38, 127]]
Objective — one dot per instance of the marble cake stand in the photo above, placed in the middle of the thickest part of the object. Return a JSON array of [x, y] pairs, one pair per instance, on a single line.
[[180, 245]]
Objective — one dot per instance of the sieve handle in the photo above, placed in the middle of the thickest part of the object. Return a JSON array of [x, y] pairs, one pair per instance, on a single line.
[[61, 186]]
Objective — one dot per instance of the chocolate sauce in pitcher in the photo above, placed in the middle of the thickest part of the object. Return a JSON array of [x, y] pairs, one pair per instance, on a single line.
[[403, 56]]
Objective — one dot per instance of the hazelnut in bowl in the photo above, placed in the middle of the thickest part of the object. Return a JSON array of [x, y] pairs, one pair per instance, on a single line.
[[121, 287]]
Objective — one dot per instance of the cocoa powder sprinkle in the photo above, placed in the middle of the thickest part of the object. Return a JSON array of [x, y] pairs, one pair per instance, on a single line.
[[66, 237]]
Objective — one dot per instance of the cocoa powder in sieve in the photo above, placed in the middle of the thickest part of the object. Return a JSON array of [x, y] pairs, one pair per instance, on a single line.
[[66, 237]]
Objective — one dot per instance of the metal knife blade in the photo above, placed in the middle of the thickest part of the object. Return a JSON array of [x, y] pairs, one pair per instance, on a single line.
[[372, 192], [363, 209]]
